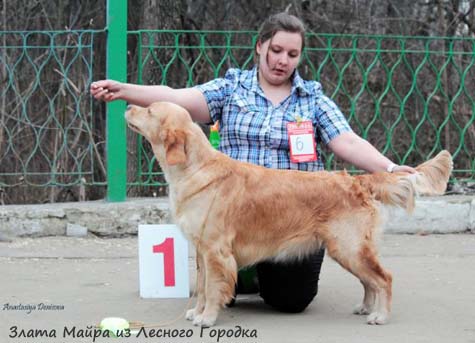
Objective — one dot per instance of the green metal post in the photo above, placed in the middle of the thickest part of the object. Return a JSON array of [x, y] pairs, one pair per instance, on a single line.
[[116, 128]]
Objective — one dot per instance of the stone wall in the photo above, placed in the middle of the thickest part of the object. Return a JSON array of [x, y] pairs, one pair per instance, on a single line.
[[447, 214], [101, 218]]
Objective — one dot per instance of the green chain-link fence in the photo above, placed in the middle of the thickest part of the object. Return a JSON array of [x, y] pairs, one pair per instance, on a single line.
[[47, 133], [409, 96]]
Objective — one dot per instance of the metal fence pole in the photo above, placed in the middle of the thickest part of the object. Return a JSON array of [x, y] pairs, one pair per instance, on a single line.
[[116, 129]]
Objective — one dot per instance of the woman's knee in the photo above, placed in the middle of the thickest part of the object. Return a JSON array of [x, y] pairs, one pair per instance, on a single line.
[[290, 304], [290, 287]]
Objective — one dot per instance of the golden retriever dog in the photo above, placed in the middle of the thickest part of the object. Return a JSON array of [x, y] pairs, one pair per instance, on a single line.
[[238, 214]]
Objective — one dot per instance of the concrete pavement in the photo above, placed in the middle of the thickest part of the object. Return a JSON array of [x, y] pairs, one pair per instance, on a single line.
[[80, 281]]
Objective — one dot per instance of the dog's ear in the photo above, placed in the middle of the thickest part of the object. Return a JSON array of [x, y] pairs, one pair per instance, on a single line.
[[174, 143]]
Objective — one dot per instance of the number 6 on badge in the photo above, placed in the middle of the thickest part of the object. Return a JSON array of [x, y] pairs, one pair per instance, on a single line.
[[163, 262], [301, 142]]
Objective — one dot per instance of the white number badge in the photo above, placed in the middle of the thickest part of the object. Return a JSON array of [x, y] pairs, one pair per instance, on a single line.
[[301, 141]]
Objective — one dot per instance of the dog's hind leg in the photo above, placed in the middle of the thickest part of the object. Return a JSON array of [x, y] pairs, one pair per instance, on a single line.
[[366, 307], [200, 289], [381, 280], [362, 262], [221, 274]]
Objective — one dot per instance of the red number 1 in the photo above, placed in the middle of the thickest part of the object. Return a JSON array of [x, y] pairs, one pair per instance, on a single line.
[[167, 248]]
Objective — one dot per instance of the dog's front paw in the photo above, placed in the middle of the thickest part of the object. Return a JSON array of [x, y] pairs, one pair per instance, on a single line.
[[361, 309], [190, 314], [377, 318], [204, 321]]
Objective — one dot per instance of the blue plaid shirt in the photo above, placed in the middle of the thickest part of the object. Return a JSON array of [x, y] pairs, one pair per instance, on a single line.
[[253, 130]]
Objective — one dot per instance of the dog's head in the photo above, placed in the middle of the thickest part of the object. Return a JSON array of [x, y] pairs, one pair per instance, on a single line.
[[163, 125]]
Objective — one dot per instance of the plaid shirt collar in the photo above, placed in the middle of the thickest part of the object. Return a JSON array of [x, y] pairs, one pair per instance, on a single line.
[[250, 81]]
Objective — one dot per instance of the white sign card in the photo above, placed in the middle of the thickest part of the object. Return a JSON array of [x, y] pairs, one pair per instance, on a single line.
[[163, 262]]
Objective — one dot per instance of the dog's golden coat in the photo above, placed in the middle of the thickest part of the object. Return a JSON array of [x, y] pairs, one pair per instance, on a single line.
[[238, 214]]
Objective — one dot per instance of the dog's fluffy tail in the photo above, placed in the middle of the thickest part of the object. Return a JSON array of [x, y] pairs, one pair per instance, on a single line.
[[433, 175], [399, 189], [391, 189]]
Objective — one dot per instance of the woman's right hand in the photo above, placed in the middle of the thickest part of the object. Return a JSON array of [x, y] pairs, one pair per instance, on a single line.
[[143, 95], [107, 90]]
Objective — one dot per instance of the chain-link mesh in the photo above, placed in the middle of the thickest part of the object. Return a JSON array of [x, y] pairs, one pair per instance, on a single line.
[[181, 59], [46, 125], [409, 96]]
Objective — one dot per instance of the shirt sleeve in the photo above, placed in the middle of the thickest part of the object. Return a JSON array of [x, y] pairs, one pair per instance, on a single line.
[[330, 120], [217, 91]]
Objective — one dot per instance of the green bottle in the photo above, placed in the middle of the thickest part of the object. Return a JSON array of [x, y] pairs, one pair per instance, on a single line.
[[214, 135]]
